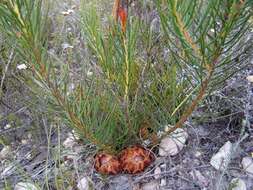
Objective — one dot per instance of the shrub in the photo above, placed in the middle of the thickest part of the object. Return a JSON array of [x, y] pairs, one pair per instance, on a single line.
[[135, 88]]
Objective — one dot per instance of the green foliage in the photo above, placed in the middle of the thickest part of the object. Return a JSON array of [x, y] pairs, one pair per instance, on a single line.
[[134, 84], [203, 39], [23, 22]]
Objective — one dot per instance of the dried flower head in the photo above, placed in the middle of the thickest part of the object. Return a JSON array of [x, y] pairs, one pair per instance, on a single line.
[[107, 164], [135, 159]]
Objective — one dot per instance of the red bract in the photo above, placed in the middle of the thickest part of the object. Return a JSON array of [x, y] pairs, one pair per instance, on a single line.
[[122, 15]]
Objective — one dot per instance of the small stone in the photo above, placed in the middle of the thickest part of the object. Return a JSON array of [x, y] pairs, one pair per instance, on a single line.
[[89, 73], [237, 184], [167, 128], [83, 184], [221, 159], [29, 136], [157, 173], [25, 186], [24, 141], [71, 11], [68, 12], [22, 67], [8, 126], [198, 154], [247, 164], [69, 142], [72, 87], [65, 13], [174, 143], [5, 152], [250, 78], [66, 46], [153, 185], [163, 182]]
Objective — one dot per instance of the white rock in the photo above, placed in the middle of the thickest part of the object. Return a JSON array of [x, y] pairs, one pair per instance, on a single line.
[[25, 186], [69, 142], [247, 164], [8, 126], [68, 12], [198, 154], [163, 166], [174, 143], [250, 78], [167, 128], [5, 152], [238, 184], [29, 136], [157, 173], [72, 87], [22, 67], [65, 13], [163, 182], [66, 46], [153, 185], [24, 141], [89, 73], [221, 159], [83, 184], [71, 11]]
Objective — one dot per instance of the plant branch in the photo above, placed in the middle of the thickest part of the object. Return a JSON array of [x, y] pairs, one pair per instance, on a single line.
[[76, 121], [183, 31], [192, 107]]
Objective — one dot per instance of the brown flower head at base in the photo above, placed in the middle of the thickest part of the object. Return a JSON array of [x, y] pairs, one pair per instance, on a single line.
[[107, 164], [135, 159]]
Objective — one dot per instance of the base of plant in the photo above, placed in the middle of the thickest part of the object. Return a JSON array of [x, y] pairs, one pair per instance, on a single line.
[[131, 160]]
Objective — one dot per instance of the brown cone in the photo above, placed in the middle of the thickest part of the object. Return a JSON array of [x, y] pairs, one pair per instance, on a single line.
[[107, 164], [135, 159]]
